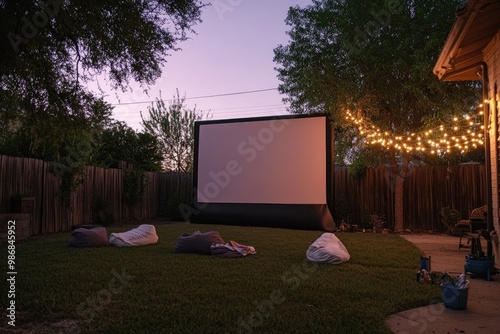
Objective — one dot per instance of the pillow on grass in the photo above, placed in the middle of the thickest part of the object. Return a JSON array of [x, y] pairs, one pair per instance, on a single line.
[[197, 242], [140, 236], [95, 237], [328, 249]]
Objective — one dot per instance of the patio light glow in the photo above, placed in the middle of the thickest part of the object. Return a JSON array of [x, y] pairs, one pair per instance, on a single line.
[[441, 139]]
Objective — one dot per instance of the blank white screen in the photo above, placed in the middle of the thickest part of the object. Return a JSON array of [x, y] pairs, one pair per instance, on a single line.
[[280, 161]]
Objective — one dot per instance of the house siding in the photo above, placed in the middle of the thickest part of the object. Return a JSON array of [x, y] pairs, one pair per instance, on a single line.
[[491, 54]]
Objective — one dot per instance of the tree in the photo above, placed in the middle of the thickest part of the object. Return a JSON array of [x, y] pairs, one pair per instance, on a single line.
[[120, 142], [51, 49], [50, 135], [174, 128], [64, 140], [373, 58]]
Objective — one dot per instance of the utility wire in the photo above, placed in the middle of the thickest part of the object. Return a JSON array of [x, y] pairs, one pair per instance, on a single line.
[[237, 109], [201, 97]]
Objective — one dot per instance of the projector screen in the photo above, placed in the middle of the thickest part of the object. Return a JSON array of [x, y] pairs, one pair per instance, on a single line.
[[269, 171]]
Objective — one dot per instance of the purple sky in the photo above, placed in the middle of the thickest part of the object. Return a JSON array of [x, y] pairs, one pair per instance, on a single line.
[[232, 52]]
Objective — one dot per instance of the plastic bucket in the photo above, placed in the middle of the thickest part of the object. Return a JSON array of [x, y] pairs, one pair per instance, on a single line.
[[453, 297], [479, 267]]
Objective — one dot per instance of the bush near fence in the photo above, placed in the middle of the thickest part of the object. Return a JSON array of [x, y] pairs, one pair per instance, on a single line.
[[100, 198]]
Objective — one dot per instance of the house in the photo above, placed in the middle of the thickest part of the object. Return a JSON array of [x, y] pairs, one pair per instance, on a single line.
[[472, 52]]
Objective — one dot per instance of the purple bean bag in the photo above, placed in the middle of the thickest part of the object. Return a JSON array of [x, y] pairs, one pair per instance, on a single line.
[[94, 237], [197, 242]]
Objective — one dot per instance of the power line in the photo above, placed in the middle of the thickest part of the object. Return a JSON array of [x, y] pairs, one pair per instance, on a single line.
[[237, 109], [251, 107], [201, 97], [258, 110], [242, 113]]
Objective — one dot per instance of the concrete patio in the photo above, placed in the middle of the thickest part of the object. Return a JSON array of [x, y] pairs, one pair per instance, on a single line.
[[482, 314]]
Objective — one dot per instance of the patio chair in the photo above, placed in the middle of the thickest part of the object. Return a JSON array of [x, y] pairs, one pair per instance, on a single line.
[[476, 221]]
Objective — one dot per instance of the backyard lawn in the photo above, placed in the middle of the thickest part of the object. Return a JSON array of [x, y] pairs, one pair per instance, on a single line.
[[151, 289]]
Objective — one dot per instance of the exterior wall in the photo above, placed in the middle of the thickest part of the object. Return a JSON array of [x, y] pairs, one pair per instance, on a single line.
[[491, 56]]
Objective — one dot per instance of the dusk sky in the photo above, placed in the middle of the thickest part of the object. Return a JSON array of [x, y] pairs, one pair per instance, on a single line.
[[232, 52]]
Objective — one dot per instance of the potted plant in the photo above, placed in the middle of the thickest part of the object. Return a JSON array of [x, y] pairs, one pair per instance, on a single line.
[[377, 222], [477, 262], [450, 218]]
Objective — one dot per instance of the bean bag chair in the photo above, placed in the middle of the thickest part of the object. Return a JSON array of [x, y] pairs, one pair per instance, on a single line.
[[328, 249], [231, 249], [140, 236], [94, 237], [197, 242]]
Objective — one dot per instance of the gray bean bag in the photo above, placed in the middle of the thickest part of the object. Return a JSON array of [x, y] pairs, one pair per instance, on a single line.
[[197, 242], [95, 237], [328, 249]]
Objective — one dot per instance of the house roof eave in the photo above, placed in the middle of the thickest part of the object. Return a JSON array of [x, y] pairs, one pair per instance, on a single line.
[[463, 46]]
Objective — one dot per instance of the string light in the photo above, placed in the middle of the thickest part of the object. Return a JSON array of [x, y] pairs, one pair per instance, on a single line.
[[464, 133]]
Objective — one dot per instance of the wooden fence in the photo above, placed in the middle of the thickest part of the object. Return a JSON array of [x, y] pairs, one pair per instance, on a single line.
[[100, 197], [426, 190]]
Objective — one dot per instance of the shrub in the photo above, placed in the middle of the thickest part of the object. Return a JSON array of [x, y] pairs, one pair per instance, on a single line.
[[173, 203], [450, 218], [377, 221]]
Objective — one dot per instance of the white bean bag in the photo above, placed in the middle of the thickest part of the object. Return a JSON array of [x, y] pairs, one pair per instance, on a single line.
[[95, 237], [139, 236], [328, 249]]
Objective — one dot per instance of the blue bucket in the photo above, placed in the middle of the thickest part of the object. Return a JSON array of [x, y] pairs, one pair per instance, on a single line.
[[453, 297]]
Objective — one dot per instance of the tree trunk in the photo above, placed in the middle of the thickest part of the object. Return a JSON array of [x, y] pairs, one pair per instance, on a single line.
[[398, 203], [398, 196]]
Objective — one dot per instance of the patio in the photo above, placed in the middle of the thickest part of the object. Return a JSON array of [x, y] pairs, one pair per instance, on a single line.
[[483, 306]]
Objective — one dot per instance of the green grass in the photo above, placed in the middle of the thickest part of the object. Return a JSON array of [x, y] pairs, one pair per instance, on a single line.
[[275, 291]]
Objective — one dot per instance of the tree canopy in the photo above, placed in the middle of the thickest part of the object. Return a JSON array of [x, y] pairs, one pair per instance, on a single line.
[[119, 142], [51, 46], [373, 58], [50, 50]]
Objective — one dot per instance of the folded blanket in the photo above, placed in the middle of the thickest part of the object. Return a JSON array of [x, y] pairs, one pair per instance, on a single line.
[[231, 249]]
